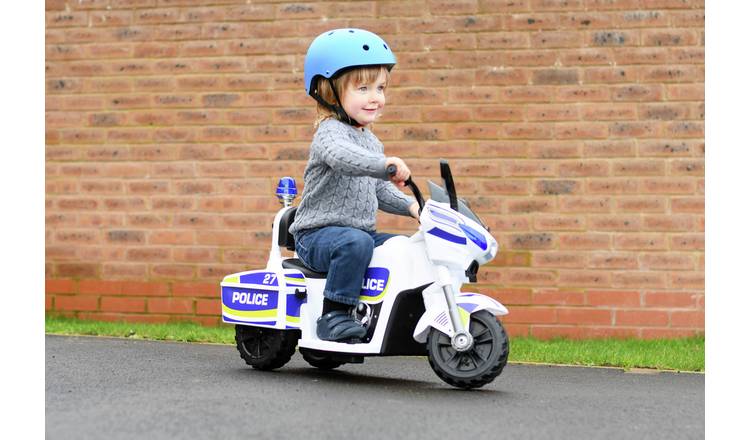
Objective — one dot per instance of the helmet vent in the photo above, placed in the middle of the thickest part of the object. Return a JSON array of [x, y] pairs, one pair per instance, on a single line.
[[366, 47], [386, 47], [351, 31]]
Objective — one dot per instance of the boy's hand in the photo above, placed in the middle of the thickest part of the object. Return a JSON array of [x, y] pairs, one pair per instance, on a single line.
[[402, 171]]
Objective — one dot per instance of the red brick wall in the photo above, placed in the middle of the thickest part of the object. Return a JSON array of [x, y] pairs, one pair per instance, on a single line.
[[575, 127]]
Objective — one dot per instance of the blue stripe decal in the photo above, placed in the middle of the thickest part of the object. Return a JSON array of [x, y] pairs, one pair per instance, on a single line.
[[467, 306], [442, 216], [475, 236], [437, 232], [293, 305]]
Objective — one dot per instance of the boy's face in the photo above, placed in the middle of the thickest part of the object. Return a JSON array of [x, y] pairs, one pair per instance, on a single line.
[[364, 102]]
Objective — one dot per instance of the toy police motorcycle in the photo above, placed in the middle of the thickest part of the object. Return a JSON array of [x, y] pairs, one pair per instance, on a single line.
[[411, 300]]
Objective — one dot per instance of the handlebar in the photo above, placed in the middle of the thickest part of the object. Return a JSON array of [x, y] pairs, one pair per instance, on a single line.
[[391, 170]]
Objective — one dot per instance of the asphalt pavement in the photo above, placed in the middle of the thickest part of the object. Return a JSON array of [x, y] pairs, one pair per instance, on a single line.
[[107, 388]]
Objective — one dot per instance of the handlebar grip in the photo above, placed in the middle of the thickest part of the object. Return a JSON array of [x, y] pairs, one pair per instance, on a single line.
[[391, 170]]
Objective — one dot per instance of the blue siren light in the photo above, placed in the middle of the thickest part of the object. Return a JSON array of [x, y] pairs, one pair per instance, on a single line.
[[286, 191]]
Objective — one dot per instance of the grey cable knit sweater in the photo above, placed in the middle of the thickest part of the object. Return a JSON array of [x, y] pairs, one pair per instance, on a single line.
[[345, 181]]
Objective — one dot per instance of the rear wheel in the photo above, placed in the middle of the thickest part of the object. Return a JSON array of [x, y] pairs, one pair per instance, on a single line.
[[477, 366], [319, 360], [265, 348]]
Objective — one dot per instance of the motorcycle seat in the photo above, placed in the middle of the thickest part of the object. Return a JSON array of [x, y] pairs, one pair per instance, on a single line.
[[296, 263]]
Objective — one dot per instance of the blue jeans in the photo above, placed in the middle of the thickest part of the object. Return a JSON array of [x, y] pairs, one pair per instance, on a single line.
[[344, 253]]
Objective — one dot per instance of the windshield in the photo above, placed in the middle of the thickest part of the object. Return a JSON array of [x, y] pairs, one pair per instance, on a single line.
[[438, 193]]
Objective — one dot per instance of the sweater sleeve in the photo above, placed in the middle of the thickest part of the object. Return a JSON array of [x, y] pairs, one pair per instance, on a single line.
[[344, 156], [393, 201]]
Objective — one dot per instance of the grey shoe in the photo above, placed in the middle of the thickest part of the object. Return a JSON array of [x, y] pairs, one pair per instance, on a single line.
[[339, 326]]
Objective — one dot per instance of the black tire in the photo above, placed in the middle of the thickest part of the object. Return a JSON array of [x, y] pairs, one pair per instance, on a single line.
[[265, 348], [319, 360], [477, 366]]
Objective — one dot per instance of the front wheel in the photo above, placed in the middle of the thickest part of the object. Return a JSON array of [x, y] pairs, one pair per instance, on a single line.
[[265, 348], [479, 365]]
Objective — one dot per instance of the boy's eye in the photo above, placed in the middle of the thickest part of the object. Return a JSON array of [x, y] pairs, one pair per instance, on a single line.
[[363, 88]]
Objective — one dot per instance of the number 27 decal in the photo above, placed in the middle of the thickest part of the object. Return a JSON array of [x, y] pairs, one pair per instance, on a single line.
[[270, 278]]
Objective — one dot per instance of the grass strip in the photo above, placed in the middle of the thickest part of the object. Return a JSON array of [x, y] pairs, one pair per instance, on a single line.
[[683, 354]]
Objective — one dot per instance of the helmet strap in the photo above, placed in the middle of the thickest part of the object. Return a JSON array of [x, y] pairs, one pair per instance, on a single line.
[[337, 109]]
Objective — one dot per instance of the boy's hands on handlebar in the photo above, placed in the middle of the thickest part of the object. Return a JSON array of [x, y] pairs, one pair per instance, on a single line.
[[402, 171]]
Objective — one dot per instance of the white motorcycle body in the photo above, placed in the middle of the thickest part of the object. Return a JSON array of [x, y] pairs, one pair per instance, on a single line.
[[412, 284]]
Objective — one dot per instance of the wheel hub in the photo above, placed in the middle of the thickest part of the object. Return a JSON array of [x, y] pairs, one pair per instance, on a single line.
[[462, 341]]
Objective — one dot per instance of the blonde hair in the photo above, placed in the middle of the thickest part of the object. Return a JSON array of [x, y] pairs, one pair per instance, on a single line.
[[357, 75]]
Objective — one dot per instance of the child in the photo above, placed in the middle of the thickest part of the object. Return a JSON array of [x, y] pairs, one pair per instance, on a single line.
[[346, 71]]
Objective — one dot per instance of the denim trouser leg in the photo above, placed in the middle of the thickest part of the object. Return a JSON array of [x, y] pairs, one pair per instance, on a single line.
[[344, 253]]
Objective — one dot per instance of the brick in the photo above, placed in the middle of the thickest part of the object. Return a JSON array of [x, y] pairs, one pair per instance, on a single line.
[[645, 318], [688, 242], [555, 187], [76, 302], [666, 223], [669, 299], [612, 186], [586, 168], [208, 307], [631, 19], [608, 112], [610, 38], [571, 204], [558, 223], [634, 167], [124, 271], [558, 297], [638, 93], [613, 298], [584, 316], [584, 241], [583, 278], [629, 241], [641, 55], [555, 149], [523, 277], [193, 289], [532, 21], [535, 315], [99, 287], [144, 288], [77, 270], [673, 37], [693, 319], [170, 305], [671, 185], [687, 280], [613, 261], [60, 286], [639, 279], [556, 39], [173, 271], [122, 304]]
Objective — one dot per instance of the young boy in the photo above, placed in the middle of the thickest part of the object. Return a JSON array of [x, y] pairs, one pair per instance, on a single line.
[[346, 182]]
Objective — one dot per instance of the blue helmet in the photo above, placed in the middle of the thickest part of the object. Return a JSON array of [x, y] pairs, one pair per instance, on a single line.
[[339, 49]]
